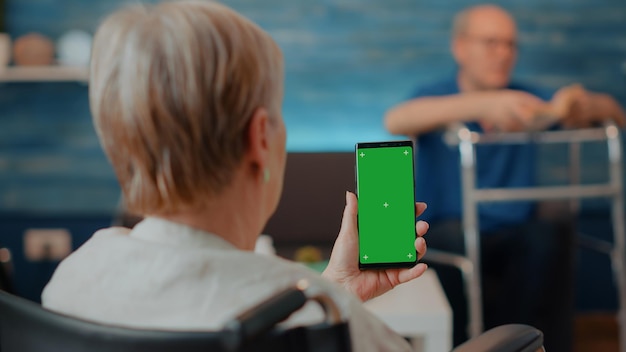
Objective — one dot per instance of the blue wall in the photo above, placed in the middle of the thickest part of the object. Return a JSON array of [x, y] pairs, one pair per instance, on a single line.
[[347, 61]]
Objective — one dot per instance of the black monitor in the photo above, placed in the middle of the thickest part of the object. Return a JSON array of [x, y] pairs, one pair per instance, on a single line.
[[313, 199]]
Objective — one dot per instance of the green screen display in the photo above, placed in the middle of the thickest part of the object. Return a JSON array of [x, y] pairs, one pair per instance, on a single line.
[[386, 203]]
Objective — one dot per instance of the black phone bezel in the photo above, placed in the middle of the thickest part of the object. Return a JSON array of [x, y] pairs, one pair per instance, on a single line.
[[361, 145]]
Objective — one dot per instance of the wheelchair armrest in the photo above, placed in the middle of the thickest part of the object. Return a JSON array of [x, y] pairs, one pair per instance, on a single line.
[[505, 338], [264, 316]]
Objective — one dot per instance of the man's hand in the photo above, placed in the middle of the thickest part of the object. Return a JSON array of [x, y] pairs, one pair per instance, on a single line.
[[343, 266], [579, 108], [606, 107], [510, 110]]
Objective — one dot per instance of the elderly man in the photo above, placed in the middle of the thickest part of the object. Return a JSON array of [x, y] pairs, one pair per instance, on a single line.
[[526, 263]]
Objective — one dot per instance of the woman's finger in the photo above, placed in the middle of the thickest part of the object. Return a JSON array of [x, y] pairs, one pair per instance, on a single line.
[[420, 207]]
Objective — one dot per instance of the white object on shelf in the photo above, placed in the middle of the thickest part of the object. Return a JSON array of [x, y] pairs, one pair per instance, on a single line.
[[44, 74], [74, 48]]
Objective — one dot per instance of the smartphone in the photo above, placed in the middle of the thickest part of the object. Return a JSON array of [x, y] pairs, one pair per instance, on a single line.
[[385, 186]]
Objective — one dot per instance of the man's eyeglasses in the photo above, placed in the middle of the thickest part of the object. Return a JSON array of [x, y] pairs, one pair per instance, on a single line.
[[493, 43]]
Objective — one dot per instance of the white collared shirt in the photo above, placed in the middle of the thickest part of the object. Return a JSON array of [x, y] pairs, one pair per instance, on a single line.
[[166, 275]]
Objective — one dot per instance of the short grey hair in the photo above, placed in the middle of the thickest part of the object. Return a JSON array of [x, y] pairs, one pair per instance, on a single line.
[[461, 21], [172, 89]]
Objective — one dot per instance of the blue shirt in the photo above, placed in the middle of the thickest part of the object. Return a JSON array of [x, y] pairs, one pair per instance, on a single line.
[[438, 178]]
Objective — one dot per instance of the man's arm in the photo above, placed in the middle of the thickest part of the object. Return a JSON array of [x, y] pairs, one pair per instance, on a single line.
[[503, 110], [422, 115]]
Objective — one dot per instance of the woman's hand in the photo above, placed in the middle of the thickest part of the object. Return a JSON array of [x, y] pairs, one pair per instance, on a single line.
[[343, 266]]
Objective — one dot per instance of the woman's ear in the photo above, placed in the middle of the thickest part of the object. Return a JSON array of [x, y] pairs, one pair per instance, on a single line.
[[258, 143]]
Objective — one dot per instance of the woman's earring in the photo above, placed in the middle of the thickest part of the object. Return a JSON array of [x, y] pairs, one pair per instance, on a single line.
[[266, 175]]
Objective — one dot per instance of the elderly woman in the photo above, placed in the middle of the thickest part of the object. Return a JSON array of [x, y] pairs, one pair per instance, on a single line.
[[186, 99]]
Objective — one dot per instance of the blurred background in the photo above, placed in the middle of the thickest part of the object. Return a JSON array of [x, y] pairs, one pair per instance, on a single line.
[[347, 61]]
